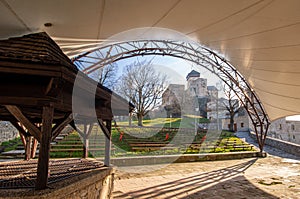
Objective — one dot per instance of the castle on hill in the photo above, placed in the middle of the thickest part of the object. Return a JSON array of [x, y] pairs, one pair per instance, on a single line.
[[196, 99]]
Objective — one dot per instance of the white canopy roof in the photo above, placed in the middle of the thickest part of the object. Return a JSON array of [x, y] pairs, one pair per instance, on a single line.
[[261, 38]]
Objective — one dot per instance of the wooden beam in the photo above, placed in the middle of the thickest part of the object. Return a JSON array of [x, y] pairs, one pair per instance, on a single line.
[[19, 128], [26, 140], [103, 128], [44, 152], [17, 113], [60, 126], [49, 86], [72, 123]]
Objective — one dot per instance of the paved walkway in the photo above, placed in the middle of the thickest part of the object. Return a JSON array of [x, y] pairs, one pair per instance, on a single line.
[[271, 177]]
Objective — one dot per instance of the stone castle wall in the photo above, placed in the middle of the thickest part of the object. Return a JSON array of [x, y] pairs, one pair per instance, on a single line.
[[7, 131]]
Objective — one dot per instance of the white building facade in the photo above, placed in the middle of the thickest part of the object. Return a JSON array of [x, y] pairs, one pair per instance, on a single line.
[[287, 130]]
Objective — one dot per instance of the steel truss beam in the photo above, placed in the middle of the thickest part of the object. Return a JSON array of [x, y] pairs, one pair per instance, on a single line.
[[195, 53]]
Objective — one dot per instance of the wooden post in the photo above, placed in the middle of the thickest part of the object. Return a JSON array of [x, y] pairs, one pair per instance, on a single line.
[[26, 143], [85, 142], [107, 144], [43, 161], [28, 147], [26, 139], [23, 139], [86, 135], [85, 146], [33, 148]]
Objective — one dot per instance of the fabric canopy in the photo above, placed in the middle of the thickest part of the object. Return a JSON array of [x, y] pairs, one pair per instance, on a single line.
[[259, 37]]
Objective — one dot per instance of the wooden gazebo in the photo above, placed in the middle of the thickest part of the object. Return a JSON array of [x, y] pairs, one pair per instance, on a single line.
[[36, 91]]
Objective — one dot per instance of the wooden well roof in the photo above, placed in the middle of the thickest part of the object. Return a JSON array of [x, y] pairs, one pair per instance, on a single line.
[[34, 72]]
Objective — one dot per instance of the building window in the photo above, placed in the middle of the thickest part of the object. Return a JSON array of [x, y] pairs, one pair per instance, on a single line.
[[293, 127], [280, 127], [242, 125]]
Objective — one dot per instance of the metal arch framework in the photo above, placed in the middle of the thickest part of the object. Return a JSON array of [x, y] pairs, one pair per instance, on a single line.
[[93, 60]]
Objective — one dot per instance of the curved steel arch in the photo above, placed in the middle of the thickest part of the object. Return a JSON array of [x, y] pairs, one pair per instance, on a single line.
[[91, 61]]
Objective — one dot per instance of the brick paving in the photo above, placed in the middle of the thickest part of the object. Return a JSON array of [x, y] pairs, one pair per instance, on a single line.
[[270, 177]]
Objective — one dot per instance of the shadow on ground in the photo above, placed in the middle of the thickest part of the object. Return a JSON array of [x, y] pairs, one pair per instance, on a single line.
[[224, 183]]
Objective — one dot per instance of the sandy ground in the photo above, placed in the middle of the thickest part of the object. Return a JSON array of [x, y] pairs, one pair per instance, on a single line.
[[270, 177]]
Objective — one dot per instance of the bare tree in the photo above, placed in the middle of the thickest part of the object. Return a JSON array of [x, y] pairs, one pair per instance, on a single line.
[[232, 105], [106, 75], [143, 86]]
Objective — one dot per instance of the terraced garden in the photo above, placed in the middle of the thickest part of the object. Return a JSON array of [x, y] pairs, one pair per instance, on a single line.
[[158, 137]]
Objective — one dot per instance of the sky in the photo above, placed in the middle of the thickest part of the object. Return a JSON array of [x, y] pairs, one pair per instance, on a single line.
[[176, 69]]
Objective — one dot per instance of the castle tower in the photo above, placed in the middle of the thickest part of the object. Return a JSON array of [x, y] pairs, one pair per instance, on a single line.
[[196, 85]]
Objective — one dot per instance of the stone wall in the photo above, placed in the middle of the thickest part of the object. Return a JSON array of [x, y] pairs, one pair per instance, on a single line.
[[7, 131], [93, 184], [285, 130], [288, 147], [166, 159]]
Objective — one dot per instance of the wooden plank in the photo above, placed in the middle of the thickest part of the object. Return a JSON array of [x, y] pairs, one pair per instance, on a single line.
[[79, 149], [152, 148], [43, 161], [28, 68], [30, 72], [32, 101], [17, 113], [150, 145]]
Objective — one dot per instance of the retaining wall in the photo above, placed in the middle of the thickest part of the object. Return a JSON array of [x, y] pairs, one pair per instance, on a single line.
[[165, 159], [288, 147]]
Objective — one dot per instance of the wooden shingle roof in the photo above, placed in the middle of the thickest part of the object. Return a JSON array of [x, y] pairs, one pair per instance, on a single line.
[[34, 48]]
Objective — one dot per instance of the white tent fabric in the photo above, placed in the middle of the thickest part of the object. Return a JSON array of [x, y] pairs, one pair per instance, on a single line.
[[261, 38]]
